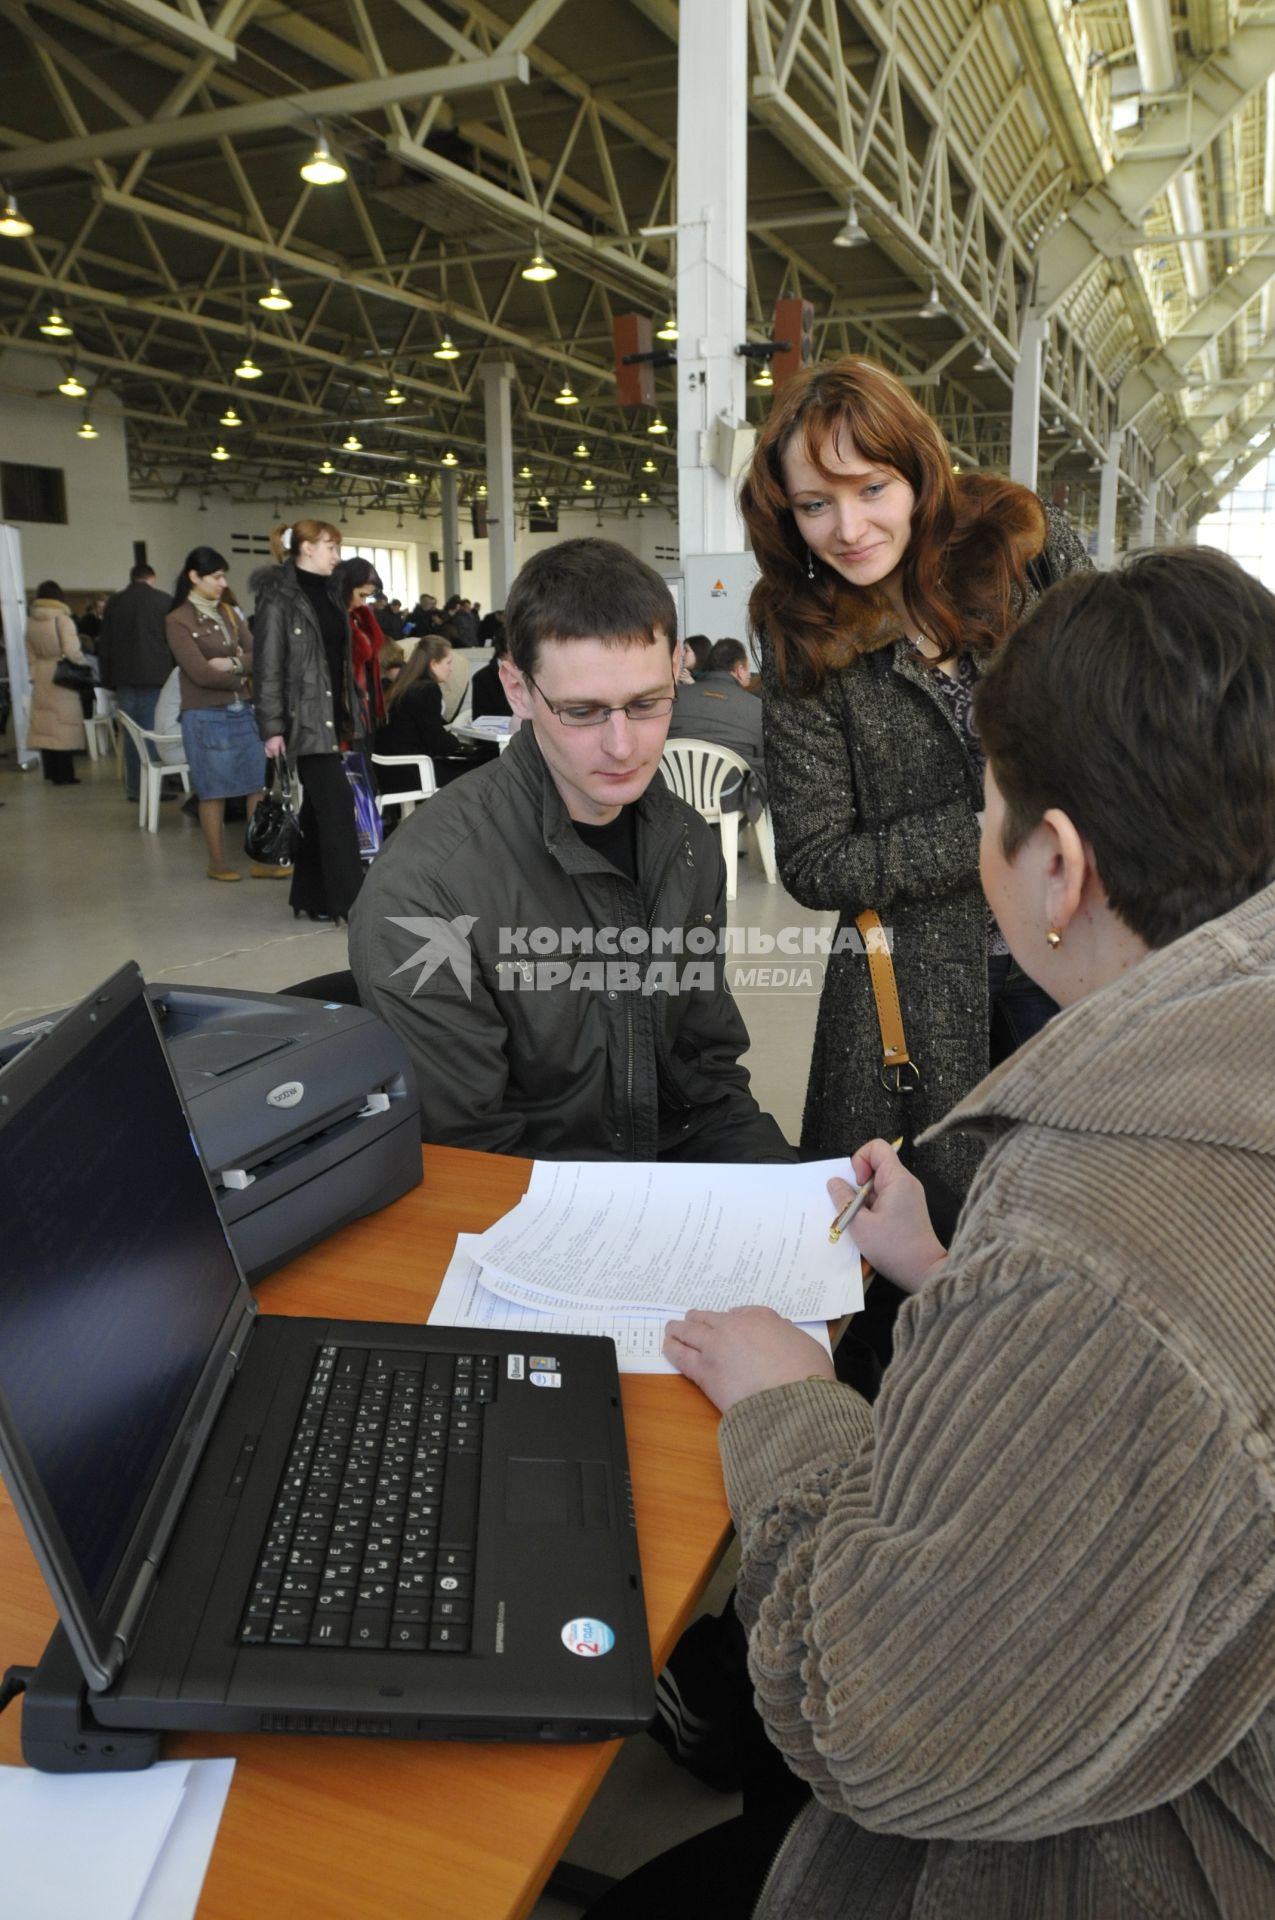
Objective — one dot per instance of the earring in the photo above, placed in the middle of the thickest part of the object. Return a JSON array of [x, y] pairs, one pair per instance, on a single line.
[[810, 564], [1053, 938]]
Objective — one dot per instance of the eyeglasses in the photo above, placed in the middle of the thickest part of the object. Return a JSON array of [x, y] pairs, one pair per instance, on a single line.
[[590, 715]]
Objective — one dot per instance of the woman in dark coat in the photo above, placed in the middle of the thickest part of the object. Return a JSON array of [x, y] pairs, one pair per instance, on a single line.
[[307, 706], [414, 719], [887, 581]]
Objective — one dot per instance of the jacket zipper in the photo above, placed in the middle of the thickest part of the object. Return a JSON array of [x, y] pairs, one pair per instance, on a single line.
[[772, 1871]]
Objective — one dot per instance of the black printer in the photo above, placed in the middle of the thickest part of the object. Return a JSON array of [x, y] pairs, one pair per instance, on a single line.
[[305, 1111]]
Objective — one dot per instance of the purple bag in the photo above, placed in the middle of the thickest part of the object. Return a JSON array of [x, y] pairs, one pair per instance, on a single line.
[[367, 817]]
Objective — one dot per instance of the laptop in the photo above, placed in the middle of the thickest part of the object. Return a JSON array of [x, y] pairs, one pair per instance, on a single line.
[[254, 1522]]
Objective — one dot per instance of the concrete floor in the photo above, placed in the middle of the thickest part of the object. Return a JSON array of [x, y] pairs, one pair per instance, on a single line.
[[82, 890]]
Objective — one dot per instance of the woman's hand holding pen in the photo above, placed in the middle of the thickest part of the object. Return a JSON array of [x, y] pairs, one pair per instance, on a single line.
[[892, 1228]]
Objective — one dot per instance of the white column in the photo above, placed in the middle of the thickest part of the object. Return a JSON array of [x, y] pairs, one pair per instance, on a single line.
[[497, 383], [1108, 494], [1146, 534], [451, 535], [712, 119], [1024, 435]]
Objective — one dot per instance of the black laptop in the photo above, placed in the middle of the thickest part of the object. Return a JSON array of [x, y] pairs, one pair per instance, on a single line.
[[263, 1523]]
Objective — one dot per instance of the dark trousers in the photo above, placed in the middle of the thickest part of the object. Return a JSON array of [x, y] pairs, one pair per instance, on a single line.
[[58, 765], [139, 704], [328, 870]]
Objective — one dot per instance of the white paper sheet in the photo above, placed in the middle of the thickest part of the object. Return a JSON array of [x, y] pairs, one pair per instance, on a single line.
[[464, 1301], [172, 1892], [85, 1843], [664, 1238]]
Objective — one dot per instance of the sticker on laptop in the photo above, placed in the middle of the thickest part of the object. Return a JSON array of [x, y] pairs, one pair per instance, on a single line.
[[515, 1366], [542, 1362], [589, 1638], [546, 1379]]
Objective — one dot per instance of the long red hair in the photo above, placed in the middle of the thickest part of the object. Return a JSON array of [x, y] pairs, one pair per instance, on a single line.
[[969, 541]]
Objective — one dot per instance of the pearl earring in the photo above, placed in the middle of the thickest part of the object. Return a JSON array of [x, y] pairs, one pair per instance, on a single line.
[[810, 564], [1053, 938]]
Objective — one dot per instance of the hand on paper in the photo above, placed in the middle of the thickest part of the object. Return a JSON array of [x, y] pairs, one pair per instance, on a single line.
[[731, 1355], [892, 1228]]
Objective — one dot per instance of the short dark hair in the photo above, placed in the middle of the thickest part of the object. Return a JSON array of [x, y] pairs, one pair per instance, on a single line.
[[1142, 703], [726, 655], [142, 571], [586, 589], [48, 590]]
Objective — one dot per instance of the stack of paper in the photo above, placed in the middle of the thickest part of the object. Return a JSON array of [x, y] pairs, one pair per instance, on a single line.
[[620, 1249]]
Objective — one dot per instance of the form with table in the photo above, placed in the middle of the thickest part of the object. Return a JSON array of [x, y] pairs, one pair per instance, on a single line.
[[343, 1827]]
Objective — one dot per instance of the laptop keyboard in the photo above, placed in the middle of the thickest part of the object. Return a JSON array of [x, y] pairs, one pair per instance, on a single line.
[[371, 1542]]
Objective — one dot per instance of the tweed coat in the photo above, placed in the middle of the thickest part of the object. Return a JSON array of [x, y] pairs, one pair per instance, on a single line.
[[873, 798], [57, 720]]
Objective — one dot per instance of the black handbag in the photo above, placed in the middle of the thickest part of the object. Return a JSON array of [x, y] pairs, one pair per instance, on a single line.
[[77, 677], [272, 834]]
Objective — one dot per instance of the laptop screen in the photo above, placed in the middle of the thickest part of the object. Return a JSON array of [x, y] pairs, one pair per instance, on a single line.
[[115, 1271]]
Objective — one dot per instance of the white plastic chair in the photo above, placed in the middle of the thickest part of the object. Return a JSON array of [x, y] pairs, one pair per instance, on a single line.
[[697, 771], [99, 727], [425, 789], [154, 771]]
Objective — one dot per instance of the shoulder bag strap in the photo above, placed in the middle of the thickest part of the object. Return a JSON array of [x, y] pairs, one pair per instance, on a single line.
[[899, 1071]]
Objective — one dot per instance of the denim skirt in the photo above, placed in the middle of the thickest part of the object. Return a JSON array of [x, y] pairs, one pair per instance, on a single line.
[[224, 751]]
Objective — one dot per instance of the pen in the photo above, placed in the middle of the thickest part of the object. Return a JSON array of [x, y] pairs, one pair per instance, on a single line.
[[851, 1207]]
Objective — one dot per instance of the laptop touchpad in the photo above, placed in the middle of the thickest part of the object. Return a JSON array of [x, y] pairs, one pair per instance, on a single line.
[[557, 1493]]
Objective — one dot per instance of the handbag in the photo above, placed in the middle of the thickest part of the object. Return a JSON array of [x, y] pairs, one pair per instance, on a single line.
[[367, 816], [77, 677], [272, 834]]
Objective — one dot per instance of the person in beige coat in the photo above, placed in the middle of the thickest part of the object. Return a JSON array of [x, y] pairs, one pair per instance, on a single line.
[[1014, 1623], [57, 721]]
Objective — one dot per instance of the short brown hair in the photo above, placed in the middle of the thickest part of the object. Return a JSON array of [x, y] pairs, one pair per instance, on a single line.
[[586, 589], [1142, 703]]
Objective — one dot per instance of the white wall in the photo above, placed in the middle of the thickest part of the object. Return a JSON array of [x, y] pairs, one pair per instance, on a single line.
[[95, 548], [94, 551]]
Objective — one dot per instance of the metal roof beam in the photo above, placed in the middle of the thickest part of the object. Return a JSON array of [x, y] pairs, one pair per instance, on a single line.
[[175, 23], [357, 96]]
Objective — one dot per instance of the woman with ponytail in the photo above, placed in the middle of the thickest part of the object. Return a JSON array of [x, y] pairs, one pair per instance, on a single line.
[[213, 650], [888, 582], [307, 707]]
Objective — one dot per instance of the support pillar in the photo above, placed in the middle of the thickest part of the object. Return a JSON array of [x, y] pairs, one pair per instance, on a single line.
[[1146, 534], [497, 384], [1108, 494], [451, 534], [712, 119], [1024, 437]]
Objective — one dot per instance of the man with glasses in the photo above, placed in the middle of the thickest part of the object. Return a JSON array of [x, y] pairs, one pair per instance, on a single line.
[[545, 934]]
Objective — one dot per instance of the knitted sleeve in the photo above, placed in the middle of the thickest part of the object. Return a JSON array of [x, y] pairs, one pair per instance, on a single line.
[[826, 857], [1031, 1589]]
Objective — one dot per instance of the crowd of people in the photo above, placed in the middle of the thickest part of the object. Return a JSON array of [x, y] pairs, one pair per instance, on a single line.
[[1006, 1605]]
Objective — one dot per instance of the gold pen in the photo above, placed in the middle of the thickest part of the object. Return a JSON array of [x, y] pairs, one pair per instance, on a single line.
[[851, 1207]]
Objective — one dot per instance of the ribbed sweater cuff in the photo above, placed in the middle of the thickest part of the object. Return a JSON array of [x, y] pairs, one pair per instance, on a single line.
[[770, 1439]]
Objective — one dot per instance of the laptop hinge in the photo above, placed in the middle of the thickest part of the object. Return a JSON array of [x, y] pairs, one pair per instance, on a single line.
[[133, 1615]]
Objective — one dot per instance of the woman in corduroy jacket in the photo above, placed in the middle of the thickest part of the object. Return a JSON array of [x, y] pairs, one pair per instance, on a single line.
[[1014, 1623], [887, 583]]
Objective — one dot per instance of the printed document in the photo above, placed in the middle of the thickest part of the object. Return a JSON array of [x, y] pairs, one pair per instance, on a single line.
[[661, 1239]]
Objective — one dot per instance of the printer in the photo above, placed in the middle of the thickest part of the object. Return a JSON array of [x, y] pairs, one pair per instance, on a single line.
[[305, 1111]]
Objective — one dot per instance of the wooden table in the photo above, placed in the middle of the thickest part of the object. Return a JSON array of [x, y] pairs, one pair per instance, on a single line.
[[342, 1829]]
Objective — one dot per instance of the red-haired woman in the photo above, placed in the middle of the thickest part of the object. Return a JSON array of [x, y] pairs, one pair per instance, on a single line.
[[307, 706], [887, 582]]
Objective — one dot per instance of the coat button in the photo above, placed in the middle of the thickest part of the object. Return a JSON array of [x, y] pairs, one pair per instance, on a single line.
[[327, 723]]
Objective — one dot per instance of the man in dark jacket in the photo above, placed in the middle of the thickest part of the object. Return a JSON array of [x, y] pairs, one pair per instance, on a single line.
[[544, 935], [133, 657], [719, 708]]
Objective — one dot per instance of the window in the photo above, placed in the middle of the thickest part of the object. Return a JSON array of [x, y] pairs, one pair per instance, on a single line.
[[391, 564], [1244, 524], [32, 493]]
